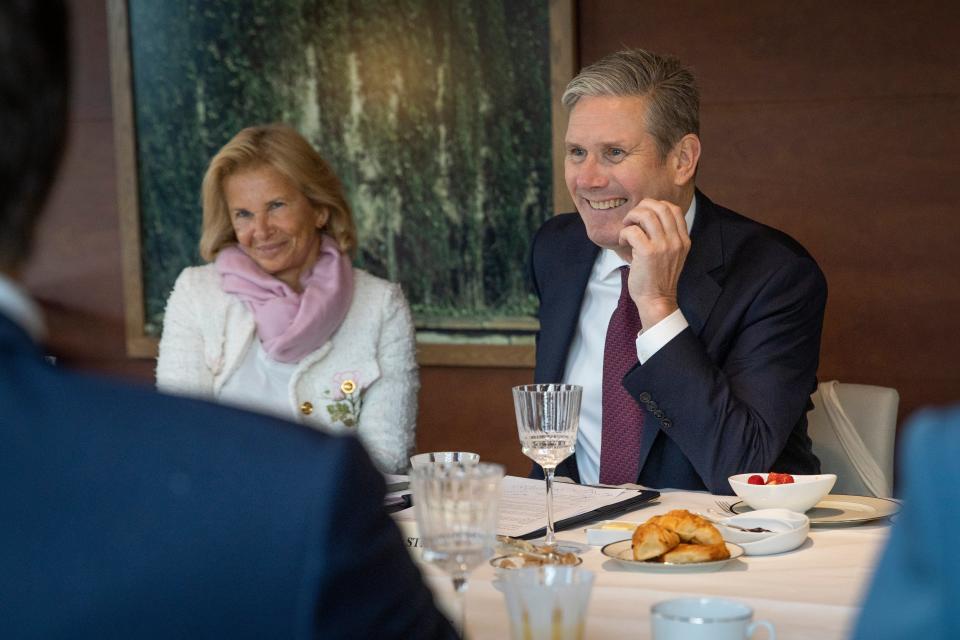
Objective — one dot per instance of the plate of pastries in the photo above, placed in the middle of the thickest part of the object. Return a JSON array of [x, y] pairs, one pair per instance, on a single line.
[[675, 542]]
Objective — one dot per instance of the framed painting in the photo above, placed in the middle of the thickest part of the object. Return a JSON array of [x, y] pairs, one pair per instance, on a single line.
[[442, 120]]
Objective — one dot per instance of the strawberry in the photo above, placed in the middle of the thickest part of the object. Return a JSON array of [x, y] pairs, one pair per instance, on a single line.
[[779, 478], [755, 479]]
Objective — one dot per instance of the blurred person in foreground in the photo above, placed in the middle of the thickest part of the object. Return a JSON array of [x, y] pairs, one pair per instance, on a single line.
[[694, 331], [280, 322], [917, 583], [128, 514]]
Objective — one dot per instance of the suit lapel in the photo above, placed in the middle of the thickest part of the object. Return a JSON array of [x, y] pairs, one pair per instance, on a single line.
[[697, 290], [561, 300]]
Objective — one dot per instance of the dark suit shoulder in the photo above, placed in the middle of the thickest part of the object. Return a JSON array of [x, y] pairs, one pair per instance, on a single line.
[[740, 232], [562, 234], [750, 250], [562, 223], [166, 493], [202, 435]]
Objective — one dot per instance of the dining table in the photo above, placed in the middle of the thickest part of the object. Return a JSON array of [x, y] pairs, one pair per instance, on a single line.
[[812, 592]]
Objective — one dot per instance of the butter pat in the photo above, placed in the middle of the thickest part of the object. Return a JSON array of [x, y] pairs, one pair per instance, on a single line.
[[609, 531]]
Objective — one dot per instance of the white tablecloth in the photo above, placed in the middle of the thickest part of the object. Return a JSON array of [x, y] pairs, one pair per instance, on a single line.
[[812, 592]]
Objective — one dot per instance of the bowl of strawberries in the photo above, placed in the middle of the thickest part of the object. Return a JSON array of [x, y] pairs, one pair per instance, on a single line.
[[782, 490]]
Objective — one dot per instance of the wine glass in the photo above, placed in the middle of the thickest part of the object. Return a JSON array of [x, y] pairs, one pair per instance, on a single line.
[[457, 508], [548, 416]]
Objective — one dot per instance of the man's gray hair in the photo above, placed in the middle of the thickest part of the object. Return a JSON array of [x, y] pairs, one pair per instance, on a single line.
[[673, 98]]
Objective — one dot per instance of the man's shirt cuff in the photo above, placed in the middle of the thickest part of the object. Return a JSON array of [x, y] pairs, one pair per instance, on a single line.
[[651, 340]]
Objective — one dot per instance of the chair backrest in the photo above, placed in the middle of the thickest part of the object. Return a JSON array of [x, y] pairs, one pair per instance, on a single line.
[[873, 414]]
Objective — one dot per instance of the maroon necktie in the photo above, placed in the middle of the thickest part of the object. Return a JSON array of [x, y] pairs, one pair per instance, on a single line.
[[621, 418]]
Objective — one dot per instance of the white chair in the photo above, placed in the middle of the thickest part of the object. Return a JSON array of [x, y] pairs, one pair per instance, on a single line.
[[853, 428]]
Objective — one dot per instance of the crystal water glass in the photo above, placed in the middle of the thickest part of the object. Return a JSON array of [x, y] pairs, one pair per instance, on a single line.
[[548, 416], [456, 508], [548, 602], [433, 457]]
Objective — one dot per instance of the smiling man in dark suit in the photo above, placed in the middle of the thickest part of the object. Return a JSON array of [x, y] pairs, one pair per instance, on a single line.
[[127, 514], [694, 331]]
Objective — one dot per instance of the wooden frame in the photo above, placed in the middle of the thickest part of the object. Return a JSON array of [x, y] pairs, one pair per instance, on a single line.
[[139, 344]]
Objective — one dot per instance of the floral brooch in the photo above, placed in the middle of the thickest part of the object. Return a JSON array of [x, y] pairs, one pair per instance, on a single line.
[[345, 407]]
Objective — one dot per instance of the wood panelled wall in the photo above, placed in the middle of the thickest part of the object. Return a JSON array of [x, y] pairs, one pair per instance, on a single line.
[[836, 122]]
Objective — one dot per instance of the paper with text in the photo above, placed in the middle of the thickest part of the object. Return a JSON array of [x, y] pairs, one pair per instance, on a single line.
[[523, 503]]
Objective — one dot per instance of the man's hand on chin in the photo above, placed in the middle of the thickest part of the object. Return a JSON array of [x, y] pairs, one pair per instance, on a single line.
[[655, 241]]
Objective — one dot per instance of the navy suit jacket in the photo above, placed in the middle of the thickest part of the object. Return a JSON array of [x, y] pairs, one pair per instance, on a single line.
[[916, 587], [731, 392], [128, 514]]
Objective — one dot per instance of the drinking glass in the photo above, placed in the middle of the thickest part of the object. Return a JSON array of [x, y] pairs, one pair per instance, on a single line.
[[457, 507], [548, 416], [548, 602], [433, 457]]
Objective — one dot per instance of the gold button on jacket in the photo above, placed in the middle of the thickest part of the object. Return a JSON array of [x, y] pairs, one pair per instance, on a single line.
[[306, 408]]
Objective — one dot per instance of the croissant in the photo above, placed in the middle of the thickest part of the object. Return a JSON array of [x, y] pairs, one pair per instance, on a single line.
[[691, 528], [688, 553], [678, 537], [651, 540]]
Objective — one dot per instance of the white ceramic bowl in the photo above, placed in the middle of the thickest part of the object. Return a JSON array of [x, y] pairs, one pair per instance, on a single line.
[[800, 495], [787, 530]]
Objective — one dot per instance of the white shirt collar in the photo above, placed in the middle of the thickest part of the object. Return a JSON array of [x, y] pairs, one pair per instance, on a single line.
[[609, 261], [17, 305]]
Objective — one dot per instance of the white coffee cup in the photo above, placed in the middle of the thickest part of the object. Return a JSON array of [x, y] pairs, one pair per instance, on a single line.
[[703, 619]]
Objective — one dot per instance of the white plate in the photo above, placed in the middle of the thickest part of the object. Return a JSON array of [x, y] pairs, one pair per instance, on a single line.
[[840, 509], [623, 553]]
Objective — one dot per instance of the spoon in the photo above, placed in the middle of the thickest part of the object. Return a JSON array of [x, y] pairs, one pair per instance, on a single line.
[[733, 526]]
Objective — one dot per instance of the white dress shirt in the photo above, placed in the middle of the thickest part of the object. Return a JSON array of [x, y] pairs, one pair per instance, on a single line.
[[17, 305], [585, 360]]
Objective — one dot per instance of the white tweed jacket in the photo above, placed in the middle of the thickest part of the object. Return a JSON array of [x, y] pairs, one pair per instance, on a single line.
[[206, 334]]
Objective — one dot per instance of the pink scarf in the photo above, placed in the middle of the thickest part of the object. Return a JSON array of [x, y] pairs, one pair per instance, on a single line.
[[290, 324]]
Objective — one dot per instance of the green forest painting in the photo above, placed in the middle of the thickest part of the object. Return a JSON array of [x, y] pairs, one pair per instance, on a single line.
[[435, 115]]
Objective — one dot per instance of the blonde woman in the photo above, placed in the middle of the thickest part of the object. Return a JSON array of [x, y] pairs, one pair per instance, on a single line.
[[279, 321]]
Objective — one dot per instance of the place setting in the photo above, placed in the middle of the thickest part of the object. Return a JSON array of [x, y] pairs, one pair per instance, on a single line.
[[468, 513], [806, 494], [677, 542]]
